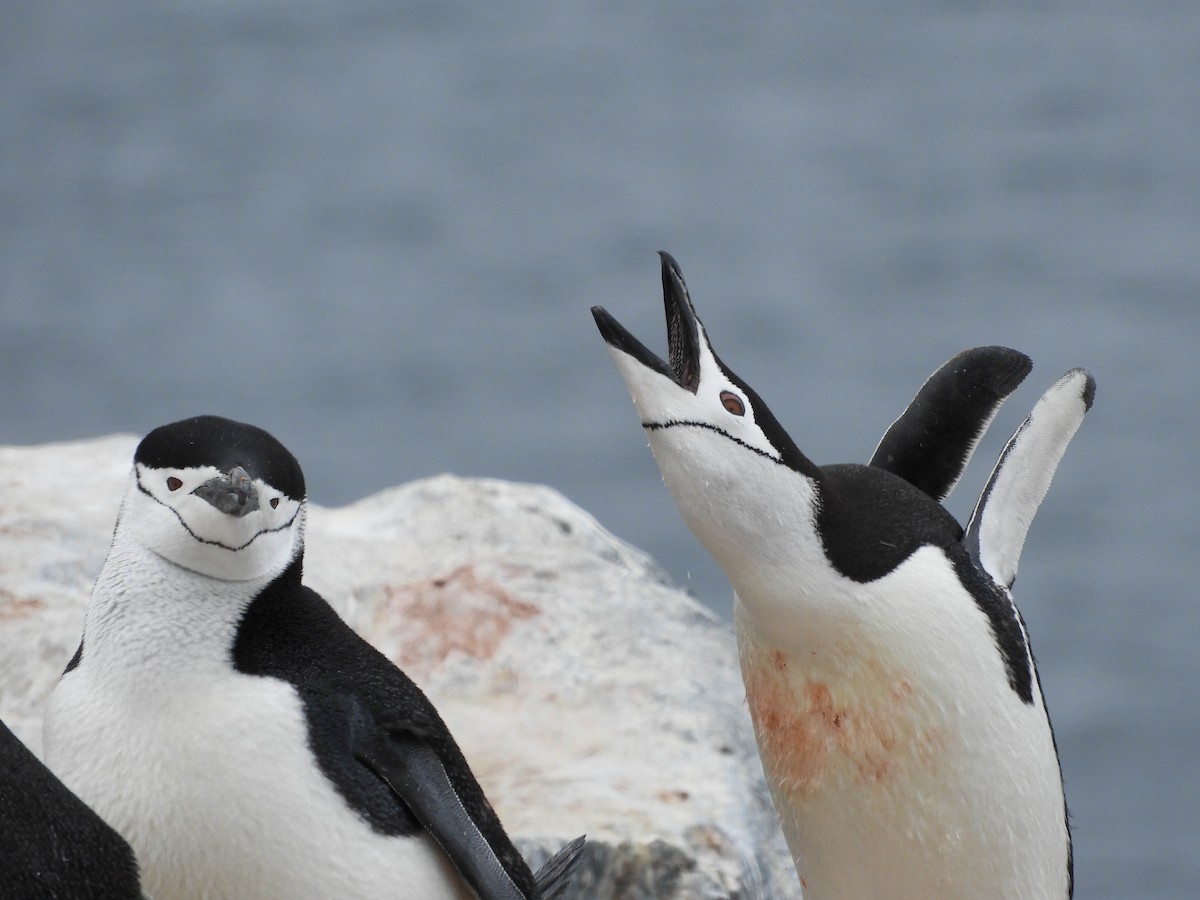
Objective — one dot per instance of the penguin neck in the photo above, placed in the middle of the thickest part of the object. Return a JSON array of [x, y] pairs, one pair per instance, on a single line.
[[148, 614], [757, 517]]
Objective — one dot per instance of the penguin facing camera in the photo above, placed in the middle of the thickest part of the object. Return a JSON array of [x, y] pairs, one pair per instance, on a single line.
[[242, 737]]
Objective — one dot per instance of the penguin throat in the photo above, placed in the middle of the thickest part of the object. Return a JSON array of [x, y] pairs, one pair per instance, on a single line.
[[148, 613], [691, 423], [199, 571]]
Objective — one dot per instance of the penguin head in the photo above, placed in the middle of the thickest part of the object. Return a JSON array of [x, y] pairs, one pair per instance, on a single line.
[[217, 497], [722, 453]]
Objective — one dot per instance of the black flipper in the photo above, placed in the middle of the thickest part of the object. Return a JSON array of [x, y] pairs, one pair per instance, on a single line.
[[556, 875], [377, 737], [51, 843], [932, 441], [412, 769]]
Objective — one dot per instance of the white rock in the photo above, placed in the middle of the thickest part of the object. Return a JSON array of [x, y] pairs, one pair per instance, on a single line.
[[588, 694]]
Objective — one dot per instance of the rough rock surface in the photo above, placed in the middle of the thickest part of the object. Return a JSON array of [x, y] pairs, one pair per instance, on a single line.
[[588, 693]]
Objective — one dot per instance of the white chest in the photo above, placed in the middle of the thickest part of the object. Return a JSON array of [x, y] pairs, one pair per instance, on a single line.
[[212, 782], [901, 762], [207, 772]]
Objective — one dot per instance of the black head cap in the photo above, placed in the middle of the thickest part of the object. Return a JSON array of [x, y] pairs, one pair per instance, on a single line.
[[222, 443]]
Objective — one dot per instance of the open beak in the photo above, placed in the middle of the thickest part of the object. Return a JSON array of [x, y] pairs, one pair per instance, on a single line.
[[683, 331]]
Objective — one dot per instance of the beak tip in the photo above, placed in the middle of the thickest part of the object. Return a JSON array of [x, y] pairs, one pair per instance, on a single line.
[[610, 329]]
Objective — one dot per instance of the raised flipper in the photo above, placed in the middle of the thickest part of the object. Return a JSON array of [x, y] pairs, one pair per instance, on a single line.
[[1018, 484], [406, 761], [932, 441]]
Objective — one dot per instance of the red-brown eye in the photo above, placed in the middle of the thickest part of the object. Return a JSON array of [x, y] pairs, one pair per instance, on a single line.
[[274, 503], [733, 403], [174, 484]]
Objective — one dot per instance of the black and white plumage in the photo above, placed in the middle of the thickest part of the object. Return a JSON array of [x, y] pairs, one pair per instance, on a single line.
[[52, 845], [931, 443], [245, 740], [890, 680]]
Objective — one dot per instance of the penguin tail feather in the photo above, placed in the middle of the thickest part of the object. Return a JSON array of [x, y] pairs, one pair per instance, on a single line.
[[556, 875]]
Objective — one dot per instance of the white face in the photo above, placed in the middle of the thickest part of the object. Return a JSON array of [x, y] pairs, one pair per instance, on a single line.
[[718, 409], [727, 479], [736, 476], [162, 513]]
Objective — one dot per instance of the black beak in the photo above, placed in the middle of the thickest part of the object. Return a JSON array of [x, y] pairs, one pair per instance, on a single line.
[[232, 493], [683, 331]]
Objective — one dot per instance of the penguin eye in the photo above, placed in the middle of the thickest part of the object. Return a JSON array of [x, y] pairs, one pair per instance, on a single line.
[[174, 484], [733, 403], [274, 503]]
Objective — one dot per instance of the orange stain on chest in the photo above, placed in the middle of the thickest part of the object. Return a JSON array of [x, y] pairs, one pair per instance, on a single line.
[[809, 733]]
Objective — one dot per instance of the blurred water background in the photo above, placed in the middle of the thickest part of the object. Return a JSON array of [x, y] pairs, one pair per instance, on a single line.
[[376, 227]]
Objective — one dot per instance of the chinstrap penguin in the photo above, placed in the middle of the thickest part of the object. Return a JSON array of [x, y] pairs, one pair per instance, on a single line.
[[888, 673], [52, 845], [244, 739]]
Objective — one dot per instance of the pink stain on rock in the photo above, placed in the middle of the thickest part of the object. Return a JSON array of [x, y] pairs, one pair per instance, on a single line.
[[14, 607], [423, 623]]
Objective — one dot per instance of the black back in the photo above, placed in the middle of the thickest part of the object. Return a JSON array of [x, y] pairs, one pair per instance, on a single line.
[[52, 845], [870, 521], [290, 632]]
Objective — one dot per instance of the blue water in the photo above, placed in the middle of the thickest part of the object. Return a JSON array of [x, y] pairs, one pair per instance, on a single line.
[[376, 228]]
